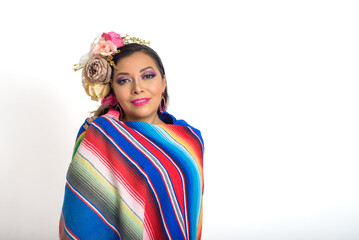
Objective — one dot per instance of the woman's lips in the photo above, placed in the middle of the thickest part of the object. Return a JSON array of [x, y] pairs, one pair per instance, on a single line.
[[140, 101]]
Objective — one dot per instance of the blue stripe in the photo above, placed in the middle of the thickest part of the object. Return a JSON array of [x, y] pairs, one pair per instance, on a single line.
[[82, 221]]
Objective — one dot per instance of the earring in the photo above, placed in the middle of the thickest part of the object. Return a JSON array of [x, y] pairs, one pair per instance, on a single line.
[[119, 109], [162, 106]]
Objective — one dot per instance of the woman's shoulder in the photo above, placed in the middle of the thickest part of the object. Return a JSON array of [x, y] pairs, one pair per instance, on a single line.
[[167, 117]]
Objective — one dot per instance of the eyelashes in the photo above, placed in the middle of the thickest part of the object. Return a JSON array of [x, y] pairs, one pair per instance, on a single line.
[[122, 81], [147, 75]]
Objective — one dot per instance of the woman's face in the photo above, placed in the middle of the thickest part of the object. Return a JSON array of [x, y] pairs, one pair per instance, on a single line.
[[138, 87]]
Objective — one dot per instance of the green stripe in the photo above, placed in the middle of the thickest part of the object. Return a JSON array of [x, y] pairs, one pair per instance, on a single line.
[[105, 197]]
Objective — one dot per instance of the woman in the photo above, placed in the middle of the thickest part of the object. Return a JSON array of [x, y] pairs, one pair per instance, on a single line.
[[136, 171]]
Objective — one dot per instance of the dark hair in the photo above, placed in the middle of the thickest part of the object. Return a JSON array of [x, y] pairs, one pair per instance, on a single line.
[[126, 51]]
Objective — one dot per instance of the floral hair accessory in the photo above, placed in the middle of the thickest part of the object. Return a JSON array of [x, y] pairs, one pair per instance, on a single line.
[[109, 100], [113, 37], [96, 91], [97, 70], [96, 64], [104, 48]]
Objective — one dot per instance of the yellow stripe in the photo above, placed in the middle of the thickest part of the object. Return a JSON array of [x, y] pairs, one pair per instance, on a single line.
[[105, 192]]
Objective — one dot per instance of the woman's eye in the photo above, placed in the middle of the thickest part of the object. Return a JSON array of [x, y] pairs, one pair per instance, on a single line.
[[149, 76], [122, 81]]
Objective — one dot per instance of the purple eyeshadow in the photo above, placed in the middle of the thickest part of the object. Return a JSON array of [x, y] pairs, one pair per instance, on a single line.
[[120, 80], [149, 73]]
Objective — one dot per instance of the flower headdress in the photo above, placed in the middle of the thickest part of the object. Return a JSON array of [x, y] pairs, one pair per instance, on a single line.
[[96, 65]]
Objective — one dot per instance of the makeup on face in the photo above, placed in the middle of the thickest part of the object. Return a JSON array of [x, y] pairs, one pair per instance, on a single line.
[[140, 101], [138, 85], [122, 80], [147, 73]]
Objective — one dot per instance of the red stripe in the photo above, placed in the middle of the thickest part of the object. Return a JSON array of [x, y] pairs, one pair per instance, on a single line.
[[63, 229]]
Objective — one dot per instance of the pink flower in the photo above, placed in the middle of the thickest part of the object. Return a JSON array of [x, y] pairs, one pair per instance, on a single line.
[[113, 37], [109, 100], [104, 48]]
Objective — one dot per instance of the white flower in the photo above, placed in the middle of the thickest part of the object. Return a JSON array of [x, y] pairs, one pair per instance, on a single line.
[[83, 60]]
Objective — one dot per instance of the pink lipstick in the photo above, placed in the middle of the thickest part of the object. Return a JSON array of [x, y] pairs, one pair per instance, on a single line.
[[140, 101]]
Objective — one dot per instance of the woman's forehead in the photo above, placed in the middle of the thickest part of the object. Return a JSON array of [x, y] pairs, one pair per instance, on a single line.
[[137, 60]]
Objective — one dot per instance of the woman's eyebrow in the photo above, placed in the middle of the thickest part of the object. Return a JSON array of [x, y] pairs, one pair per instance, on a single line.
[[143, 69], [122, 73]]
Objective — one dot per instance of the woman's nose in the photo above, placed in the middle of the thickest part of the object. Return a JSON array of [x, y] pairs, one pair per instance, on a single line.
[[137, 87]]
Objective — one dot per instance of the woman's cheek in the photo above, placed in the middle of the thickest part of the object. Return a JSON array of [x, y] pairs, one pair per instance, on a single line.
[[156, 87], [121, 93]]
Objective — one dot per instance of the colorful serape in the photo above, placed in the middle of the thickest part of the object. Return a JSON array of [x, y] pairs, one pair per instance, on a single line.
[[134, 180]]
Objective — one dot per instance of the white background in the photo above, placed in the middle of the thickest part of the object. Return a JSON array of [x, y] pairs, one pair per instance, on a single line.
[[272, 85]]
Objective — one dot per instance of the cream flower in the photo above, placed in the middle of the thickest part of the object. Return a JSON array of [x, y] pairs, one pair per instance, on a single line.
[[96, 91]]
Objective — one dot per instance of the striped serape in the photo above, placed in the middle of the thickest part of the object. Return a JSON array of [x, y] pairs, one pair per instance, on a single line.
[[134, 180]]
